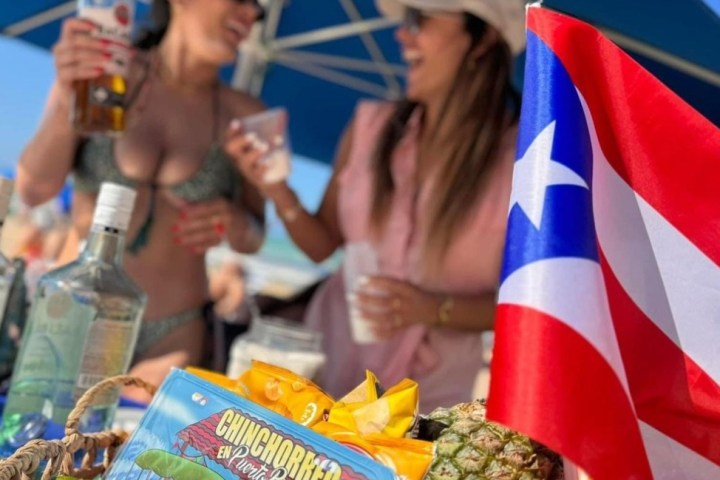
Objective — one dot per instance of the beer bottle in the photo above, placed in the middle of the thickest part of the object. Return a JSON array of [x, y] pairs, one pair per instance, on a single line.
[[99, 103]]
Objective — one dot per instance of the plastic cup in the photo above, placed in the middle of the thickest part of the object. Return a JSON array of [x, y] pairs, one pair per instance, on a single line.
[[268, 130], [360, 261]]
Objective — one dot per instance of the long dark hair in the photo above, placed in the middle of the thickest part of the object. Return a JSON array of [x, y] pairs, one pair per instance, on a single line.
[[152, 35], [478, 110]]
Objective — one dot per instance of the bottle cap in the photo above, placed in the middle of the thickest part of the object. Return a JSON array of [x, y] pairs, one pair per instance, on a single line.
[[114, 206], [6, 191]]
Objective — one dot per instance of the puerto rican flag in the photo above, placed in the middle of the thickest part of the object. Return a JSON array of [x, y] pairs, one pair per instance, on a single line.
[[607, 344]]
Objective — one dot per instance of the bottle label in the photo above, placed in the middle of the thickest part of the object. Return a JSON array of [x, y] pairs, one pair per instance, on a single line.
[[108, 352], [115, 22], [57, 324], [105, 97], [6, 284], [58, 305]]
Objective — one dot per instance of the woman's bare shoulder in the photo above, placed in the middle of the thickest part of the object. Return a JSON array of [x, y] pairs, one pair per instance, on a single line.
[[240, 103]]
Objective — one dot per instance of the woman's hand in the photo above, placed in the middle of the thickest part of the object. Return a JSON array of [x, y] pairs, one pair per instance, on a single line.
[[227, 289], [248, 151], [201, 226], [392, 305], [78, 55]]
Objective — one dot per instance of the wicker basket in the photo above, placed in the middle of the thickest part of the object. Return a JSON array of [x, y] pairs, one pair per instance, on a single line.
[[59, 453]]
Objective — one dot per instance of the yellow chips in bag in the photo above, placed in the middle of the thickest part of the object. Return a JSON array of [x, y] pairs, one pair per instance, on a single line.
[[276, 389], [408, 458], [219, 379], [393, 414], [285, 392], [367, 391]]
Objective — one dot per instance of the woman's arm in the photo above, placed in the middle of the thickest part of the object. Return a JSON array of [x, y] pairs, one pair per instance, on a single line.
[[48, 157], [402, 304], [247, 231], [318, 235]]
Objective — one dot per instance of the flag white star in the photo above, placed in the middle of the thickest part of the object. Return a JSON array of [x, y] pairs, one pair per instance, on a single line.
[[535, 172]]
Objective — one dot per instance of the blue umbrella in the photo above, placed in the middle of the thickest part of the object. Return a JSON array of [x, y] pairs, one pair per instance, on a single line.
[[318, 61]]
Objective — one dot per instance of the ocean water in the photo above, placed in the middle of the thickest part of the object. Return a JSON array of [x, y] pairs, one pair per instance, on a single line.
[[280, 266], [308, 178]]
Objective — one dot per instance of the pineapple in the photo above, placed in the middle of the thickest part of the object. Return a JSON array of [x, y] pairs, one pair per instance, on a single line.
[[468, 447]]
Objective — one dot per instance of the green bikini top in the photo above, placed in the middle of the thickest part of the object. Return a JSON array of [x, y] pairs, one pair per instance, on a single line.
[[95, 163]]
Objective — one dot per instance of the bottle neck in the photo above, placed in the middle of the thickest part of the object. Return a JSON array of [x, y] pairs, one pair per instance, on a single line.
[[3, 259], [105, 244]]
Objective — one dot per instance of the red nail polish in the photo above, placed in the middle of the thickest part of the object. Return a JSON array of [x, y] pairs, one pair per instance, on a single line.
[[220, 229], [175, 228], [177, 241]]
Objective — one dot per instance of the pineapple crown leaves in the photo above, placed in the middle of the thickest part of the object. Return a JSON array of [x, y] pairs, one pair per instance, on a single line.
[[469, 447]]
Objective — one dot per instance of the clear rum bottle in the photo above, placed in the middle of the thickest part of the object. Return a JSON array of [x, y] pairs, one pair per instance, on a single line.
[[13, 293], [82, 328]]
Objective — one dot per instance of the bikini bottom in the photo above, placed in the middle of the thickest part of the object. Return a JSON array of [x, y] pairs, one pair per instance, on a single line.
[[151, 332]]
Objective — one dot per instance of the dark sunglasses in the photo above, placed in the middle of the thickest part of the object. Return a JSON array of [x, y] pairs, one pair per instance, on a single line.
[[258, 8], [413, 20]]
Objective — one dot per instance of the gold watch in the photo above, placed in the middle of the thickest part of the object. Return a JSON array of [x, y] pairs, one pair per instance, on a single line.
[[443, 316]]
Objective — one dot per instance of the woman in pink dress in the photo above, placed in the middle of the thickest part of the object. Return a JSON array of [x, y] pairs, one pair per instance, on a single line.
[[426, 181]]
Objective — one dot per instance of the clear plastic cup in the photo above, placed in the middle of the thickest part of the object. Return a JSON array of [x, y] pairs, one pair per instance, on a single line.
[[360, 261], [268, 130]]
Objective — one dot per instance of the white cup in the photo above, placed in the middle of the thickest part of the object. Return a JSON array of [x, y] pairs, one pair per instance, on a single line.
[[360, 261], [268, 130]]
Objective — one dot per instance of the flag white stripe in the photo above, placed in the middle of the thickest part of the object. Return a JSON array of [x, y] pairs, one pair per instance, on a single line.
[[573, 291], [666, 276], [670, 460]]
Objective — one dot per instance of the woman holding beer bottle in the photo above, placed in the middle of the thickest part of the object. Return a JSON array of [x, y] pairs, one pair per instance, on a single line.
[[190, 196]]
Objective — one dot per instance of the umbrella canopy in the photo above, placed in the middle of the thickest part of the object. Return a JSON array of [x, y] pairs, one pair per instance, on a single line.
[[319, 61]]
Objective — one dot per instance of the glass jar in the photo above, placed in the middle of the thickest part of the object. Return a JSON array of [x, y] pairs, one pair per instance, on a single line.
[[278, 342]]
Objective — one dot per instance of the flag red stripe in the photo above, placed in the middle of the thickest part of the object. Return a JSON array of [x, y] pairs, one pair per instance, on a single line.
[[681, 401], [548, 382], [666, 151]]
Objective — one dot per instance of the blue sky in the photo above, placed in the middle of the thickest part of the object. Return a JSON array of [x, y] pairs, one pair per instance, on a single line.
[[714, 4], [24, 82]]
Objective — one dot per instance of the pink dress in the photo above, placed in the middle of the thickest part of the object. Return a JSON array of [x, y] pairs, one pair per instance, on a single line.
[[443, 361]]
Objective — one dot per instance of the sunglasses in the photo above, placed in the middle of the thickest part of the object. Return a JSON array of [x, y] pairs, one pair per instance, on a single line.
[[414, 18], [260, 11]]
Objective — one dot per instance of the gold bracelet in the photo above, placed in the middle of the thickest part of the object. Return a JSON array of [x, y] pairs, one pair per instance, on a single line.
[[443, 316], [290, 214]]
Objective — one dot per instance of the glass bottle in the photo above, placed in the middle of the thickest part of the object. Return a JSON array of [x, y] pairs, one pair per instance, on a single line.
[[99, 105], [10, 288], [279, 342], [82, 328]]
